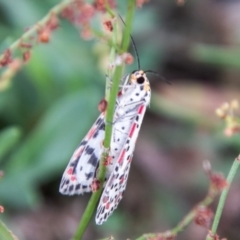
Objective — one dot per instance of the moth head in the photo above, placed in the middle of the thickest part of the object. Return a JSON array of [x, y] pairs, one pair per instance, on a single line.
[[138, 77]]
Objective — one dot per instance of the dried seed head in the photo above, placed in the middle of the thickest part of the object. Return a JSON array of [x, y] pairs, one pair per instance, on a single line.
[[212, 236], [7, 58], [108, 25], [26, 56], [68, 13], [204, 216], [218, 181], [107, 161], [86, 11], [25, 45], [128, 58], [100, 5], [44, 35], [95, 185], [102, 106], [52, 23], [226, 112]]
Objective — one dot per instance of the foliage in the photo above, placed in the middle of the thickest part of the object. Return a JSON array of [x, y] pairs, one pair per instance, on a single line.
[[49, 98]]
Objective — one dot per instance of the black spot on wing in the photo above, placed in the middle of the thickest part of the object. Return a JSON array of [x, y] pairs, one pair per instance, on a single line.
[[74, 164], [99, 121], [103, 209], [141, 87], [89, 150], [77, 187], [82, 143], [70, 188], [101, 127], [88, 176], [62, 183], [95, 134], [93, 160]]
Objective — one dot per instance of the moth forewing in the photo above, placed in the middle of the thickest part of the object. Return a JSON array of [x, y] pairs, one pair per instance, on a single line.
[[81, 169], [128, 115]]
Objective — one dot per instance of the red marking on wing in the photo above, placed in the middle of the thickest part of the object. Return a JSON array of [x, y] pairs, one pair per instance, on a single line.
[[90, 133], [119, 196], [78, 152], [120, 160], [141, 109], [110, 181], [122, 179], [132, 130], [105, 199], [70, 171], [73, 178], [107, 205]]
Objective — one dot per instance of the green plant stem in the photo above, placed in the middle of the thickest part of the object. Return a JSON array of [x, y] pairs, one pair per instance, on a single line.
[[185, 221], [57, 9], [5, 233], [128, 27], [108, 128], [223, 197]]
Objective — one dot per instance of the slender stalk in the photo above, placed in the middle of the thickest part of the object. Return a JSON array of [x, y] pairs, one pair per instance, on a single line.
[[185, 221], [223, 197], [57, 9], [108, 129]]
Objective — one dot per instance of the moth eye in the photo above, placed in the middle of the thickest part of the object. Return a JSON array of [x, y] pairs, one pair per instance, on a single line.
[[140, 80]]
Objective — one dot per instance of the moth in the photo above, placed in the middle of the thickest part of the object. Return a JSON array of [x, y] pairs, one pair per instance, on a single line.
[[81, 171]]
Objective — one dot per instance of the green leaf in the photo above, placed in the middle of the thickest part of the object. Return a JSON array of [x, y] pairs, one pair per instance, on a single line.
[[8, 138]]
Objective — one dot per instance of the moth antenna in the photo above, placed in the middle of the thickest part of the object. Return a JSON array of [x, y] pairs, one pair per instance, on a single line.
[[133, 43], [157, 74]]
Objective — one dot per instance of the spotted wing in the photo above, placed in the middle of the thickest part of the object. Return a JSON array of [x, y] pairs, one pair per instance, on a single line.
[[116, 184], [81, 169]]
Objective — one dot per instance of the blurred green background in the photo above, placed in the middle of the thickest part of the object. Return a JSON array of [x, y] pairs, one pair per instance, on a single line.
[[52, 102]]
